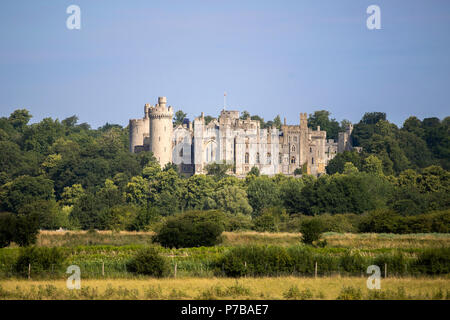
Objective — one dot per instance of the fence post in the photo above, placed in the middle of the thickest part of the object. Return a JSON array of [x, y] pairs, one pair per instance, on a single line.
[[315, 270], [175, 270], [103, 268], [29, 271], [385, 270]]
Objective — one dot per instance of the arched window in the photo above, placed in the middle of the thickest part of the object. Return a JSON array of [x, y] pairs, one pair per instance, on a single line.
[[269, 158], [280, 158], [310, 149], [293, 148], [312, 160], [293, 160], [257, 157], [181, 152], [246, 157]]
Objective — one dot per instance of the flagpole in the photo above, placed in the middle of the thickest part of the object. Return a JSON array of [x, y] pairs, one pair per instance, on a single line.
[[224, 100]]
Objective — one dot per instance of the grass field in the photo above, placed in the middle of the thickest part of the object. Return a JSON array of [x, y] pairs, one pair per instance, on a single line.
[[346, 240], [226, 288], [103, 255]]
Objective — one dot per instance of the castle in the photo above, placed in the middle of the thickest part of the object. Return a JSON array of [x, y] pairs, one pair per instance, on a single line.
[[229, 139]]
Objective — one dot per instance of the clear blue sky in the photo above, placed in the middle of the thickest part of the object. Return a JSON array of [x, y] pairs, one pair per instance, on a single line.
[[271, 57]]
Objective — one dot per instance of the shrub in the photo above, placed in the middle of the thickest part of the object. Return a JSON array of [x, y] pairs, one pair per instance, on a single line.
[[433, 261], [349, 293], [192, 229], [397, 264], [380, 221], [149, 262], [265, 222], [353, 262], [41, 259], [255, 261], [311, 230]]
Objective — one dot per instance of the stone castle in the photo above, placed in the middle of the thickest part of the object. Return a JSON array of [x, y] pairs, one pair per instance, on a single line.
[[229, 139]]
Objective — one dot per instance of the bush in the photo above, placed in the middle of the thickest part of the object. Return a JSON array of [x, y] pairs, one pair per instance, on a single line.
[[311, 230], [149, 262], [380, 221], [255, 261], [41, 259], [350, 293], [192, 229], [265, 222], [432, 262]]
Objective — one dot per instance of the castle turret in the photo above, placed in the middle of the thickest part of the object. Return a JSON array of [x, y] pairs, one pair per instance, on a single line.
[[138, 131], [161, 129]]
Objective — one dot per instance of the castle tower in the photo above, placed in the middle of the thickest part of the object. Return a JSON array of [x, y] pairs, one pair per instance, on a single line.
[[304, 138], [139, 129], [161, 129]]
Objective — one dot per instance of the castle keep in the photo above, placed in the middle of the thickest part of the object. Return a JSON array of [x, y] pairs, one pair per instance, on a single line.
[[229, 139]]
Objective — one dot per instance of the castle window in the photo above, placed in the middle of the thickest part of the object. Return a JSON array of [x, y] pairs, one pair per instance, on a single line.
[[293, 148], [257, 157], [181, 152], [246, 157], [312, 160], [310, 149], [293, 160], [280, 158], [295, 139], [269, 158]]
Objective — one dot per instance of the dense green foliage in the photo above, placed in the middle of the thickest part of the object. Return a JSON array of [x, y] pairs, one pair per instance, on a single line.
[[149, 262], [192, 229], [311, 230], [38, 260], [63, 174], [276, 261]]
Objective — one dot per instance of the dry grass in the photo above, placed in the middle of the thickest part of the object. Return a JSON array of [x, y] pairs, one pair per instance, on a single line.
[[345, 240], [221, 288]]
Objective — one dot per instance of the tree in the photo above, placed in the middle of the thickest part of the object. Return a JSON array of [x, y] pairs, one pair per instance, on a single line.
[[244, 115], [277, 122], [322, 118], [198, 193], [254, 171], [192, 229], [7, 227], [232, 199], [290, 193], [24, 190], [19, 118], [311, 231], [262, 193], [218, 170], [336, 165], [179, 117], [349, 168], [373, 165]]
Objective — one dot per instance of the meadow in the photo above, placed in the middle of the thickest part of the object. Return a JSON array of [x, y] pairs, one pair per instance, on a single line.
[[103, 255], [337, 240], [328, 288]]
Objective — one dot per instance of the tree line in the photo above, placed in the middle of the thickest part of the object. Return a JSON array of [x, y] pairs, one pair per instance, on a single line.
[[63, 174]]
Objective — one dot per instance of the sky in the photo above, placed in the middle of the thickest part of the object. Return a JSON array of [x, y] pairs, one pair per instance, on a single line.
[[270, 57]]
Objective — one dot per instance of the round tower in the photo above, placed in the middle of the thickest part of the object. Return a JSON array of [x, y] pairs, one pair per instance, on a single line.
[[161, 129], [139, 129]]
